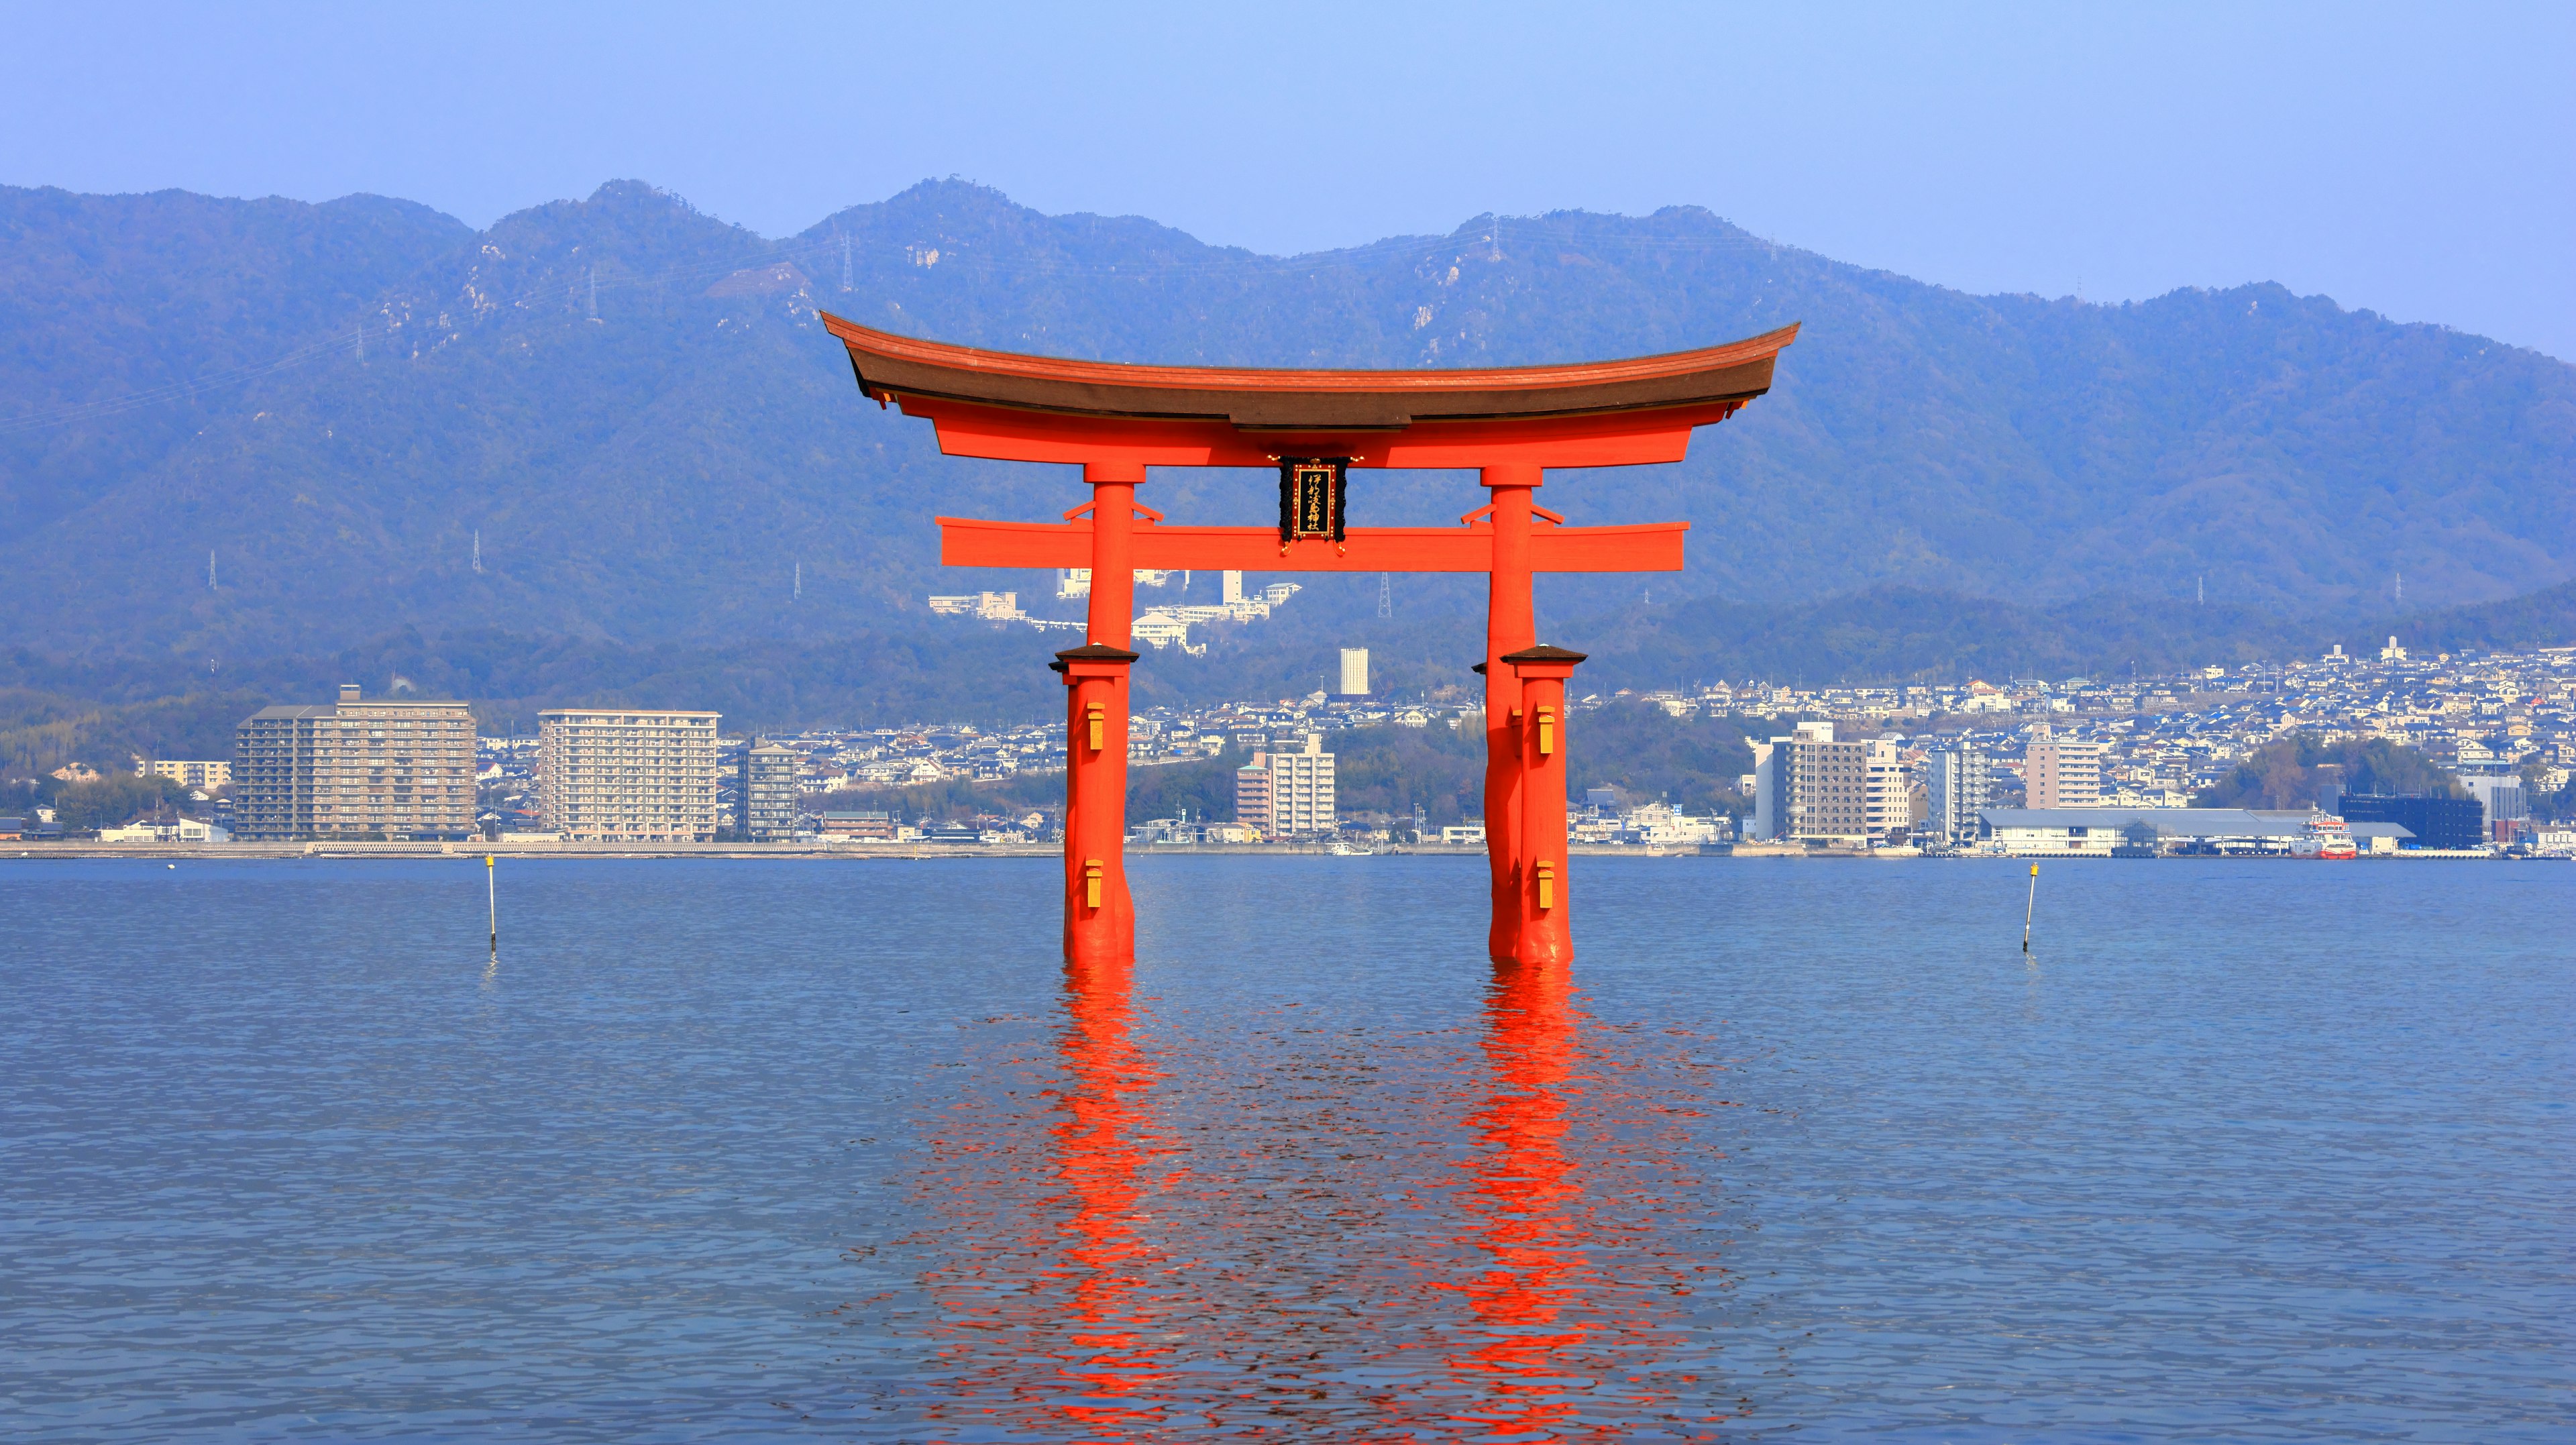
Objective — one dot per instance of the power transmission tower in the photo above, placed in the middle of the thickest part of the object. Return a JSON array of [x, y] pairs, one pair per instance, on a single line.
[[799, 595], [362, 342], [210, 569], [845, 261], [478, 551], [1385, 597], [594, 293]]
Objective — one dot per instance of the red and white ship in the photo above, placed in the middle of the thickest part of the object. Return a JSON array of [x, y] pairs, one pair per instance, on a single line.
[[2327, 837]]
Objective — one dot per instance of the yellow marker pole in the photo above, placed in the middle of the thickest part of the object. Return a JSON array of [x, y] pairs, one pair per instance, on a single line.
[[492, 900], [2026, 908]]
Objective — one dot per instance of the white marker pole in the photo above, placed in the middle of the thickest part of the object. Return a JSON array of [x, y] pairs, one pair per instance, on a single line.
[[2026, 908], [492, 900]]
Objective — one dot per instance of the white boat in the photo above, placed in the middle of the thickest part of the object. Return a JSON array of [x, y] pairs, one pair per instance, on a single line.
[[2328, 838]]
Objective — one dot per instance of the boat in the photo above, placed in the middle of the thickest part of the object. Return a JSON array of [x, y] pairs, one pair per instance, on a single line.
[[2327, 837], [1349, 850]]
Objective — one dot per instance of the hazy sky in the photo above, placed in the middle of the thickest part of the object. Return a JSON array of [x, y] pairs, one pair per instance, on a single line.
[[2419, 161]]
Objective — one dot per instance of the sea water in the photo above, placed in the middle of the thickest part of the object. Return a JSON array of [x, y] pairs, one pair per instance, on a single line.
[[839, 1150]]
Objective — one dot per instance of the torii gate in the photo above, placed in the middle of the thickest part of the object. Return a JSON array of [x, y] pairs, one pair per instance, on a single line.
[[1510, 424]]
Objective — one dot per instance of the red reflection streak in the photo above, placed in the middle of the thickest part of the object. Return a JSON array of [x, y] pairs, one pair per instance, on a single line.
[[1101, 1140], [1547, 1326], [1101, 1283], [1046, 1295]]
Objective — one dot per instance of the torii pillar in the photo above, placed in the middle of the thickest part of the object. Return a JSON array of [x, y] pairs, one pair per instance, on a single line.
[[1315, 427]]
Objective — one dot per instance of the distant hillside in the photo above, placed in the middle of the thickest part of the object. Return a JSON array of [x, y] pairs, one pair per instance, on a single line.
[[631, 404], [102, 708]]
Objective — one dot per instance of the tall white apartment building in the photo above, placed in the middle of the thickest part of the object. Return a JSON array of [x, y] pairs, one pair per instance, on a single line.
[[1959, 783], [2060, 772], [619, 775], [1284, 794], [1354, 672]]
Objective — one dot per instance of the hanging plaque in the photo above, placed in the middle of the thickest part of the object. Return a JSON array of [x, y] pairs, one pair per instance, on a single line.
[[1311, 496]]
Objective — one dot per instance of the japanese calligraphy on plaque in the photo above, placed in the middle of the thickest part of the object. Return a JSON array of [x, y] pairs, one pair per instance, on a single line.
[[1311, 495]]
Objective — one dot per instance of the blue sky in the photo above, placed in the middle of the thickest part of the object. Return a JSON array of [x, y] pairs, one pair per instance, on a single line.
[[2413, 160]]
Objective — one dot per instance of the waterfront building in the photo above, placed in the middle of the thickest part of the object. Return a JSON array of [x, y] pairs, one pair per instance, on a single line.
[[1959, 783], [2502, 797], [1887, 793], [2447, 823], [171, 830], [187, 772], [2095, 832], [864, 825], [1808, 786], [618, 775], [766, 811], [394, 767], [1252, 793], [2061, 772], [1284, 794]]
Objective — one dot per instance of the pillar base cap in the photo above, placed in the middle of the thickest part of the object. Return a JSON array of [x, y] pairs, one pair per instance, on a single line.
[[1097, 652]]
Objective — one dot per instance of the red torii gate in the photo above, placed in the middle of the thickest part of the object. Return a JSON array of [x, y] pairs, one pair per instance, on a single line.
[[1509, 424]]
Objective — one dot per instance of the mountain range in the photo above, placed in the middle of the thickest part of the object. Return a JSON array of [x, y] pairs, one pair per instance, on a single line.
[[238, 432]]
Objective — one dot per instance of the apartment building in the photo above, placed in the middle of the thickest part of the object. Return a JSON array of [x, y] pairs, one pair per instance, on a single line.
[[1252, 793], [767, 810], [1284, 794], [1959, 783], [1807, 786], [2060, 772], [1887, 793], [627, 775], [393, 767], [187, 772]]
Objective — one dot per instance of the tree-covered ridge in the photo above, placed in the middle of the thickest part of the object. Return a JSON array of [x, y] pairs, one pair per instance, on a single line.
[[2292, 771], [631, 405]]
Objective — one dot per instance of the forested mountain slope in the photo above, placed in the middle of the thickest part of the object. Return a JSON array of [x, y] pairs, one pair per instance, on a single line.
[[633, 407]]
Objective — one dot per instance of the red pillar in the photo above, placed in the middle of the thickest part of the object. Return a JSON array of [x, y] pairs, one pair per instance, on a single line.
[[1545, 934], [1099, 917], [1508, 628]]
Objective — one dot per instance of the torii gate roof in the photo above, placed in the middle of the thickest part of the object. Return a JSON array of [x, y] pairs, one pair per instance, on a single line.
[[1054, 409]]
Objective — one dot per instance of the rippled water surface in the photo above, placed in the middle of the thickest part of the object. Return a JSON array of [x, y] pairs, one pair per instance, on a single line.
[[724, 1150]]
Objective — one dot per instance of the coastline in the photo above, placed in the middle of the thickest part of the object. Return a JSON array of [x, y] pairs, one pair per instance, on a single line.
[[916, 852]]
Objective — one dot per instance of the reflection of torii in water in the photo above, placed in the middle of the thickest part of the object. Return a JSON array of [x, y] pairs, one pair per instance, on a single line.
[[1115, 421]]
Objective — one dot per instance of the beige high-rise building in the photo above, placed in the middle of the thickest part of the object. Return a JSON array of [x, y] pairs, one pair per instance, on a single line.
[[1888, 793], [399, 767], [2060, 772], [1288, 793], [627, 775], [1807, 785]]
